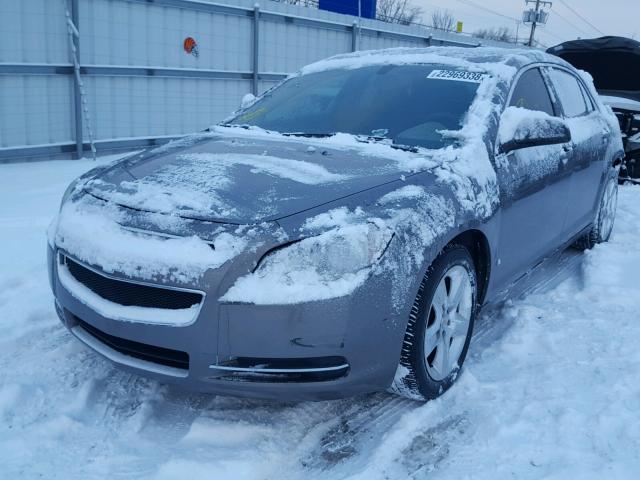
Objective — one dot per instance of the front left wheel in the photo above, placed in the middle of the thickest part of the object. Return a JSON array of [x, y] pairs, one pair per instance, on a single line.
[[440, 327]]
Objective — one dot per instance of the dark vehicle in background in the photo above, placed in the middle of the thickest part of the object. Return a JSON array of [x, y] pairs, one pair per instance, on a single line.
[[614, 64], [338, 235]]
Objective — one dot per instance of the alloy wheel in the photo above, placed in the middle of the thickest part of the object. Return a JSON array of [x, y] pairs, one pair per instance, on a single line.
[[608, 209], [448, 322]]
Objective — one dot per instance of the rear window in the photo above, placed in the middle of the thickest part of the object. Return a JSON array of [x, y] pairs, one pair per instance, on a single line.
[[569, 92]]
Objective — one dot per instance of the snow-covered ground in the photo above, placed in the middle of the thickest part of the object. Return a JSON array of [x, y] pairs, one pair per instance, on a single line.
[[551, 388]]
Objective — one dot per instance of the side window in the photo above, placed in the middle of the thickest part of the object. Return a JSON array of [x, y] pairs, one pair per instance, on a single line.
[[587, 98], [531, 93], [569, 92]]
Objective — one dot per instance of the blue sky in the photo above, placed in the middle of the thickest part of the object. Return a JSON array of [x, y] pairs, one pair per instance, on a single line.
[[613, 17]]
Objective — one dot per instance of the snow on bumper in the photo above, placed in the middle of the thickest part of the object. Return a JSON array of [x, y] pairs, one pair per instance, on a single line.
[[349, 338]]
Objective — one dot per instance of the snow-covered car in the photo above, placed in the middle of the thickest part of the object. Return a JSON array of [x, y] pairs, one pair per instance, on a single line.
[[338, 235], [614, 64]]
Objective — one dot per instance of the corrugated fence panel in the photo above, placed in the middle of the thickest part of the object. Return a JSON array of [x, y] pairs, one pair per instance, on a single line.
[[116, 32], [129, 107], [373, 41], [287, 46], [35, 109], [33, 31]]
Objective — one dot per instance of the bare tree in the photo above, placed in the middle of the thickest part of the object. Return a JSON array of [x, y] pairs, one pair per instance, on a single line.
[[501, 34], [398, 11], [442, 20]]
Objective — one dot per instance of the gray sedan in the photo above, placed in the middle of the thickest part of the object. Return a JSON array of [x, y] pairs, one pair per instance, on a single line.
[[339, 234]]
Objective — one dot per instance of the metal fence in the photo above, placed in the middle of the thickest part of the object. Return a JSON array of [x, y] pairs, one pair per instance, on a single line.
[[140, 86]]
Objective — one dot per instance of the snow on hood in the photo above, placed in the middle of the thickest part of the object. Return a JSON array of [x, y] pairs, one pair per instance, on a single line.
[[299, 171], [250, 179], [92, 232]]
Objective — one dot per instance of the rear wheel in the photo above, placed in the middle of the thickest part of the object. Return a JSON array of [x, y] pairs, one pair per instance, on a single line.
[[605, 217], [439, 328]]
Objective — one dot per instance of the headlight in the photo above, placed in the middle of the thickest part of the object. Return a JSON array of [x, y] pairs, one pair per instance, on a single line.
[[330, 265], [332, 254]]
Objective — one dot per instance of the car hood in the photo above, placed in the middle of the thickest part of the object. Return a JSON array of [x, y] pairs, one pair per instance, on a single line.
[[621, 103], [244, 180]]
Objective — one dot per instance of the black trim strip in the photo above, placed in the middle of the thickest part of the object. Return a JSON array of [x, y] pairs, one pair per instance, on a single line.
[[35, 69], [114, 71], [24, 154]]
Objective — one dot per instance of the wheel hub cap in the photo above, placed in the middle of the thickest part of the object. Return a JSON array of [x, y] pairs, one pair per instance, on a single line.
[[448, 322]]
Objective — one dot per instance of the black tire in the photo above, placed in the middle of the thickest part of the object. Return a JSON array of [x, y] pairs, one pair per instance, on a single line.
[[598, 232], [413, 379]]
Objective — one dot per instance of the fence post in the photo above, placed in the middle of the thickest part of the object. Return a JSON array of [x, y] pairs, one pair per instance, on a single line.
[[256, 48], [354, 36], [77, 98]]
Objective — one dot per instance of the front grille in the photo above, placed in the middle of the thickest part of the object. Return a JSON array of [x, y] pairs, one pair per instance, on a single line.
[[142, 351], [131, 294]]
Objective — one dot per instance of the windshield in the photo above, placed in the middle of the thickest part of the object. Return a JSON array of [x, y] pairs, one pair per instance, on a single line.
[[406, 104]]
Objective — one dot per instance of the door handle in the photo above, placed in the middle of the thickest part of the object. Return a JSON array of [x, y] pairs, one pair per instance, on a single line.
[[567, 147]]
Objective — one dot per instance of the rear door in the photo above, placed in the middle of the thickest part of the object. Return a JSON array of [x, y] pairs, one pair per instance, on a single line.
[[590, 136], [534, 187]]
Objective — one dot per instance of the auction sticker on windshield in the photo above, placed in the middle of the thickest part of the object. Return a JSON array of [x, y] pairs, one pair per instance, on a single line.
[[458, 75]]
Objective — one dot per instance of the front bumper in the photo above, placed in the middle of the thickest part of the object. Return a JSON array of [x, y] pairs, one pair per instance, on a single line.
[[309, 351]]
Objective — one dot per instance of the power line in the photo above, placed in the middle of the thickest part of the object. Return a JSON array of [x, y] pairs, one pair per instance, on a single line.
[[555, 35], [562, 17], [581, 17], [486, 9]]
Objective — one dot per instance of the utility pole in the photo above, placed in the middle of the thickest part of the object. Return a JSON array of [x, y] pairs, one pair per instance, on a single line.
[[359, 24], [535, 16]]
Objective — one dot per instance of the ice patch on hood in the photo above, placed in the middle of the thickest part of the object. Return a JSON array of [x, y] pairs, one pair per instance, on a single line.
[[296, 170], [176, 188], [409, 191]]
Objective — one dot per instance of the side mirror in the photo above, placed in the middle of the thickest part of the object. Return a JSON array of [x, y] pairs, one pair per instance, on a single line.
[[248, 100], [522, 128]]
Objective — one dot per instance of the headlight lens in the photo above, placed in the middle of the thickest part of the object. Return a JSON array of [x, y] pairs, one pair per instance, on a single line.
[[332, 254]]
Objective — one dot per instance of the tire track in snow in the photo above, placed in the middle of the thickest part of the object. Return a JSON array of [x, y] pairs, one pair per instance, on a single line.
[[348, 445]]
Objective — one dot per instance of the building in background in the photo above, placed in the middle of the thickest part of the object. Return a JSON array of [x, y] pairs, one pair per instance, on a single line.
[[363, 8]]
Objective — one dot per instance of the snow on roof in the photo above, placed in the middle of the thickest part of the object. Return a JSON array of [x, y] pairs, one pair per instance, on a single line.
[[490, 59]]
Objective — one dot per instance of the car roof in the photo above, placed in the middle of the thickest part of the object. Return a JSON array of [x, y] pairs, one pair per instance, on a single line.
[[480, 57]]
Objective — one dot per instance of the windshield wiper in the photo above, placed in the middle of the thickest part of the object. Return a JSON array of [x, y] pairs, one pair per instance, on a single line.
[[233, 125], [386, 141], [308, 134]]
